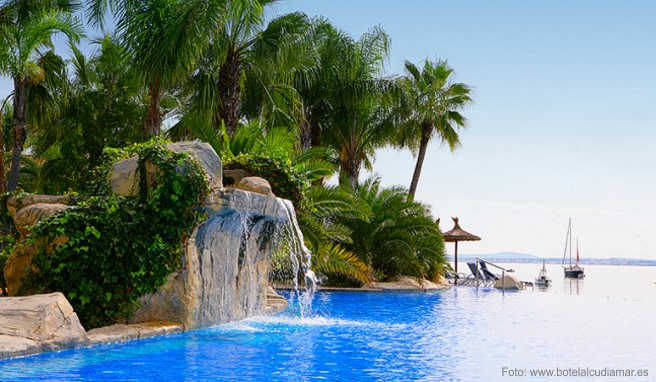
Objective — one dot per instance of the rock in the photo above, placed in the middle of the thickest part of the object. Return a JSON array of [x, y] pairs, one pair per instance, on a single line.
[[225, 266], [274, 302], [510, 282], [15, 203], [28, 216], [209, 160], [121, 332], [255, 184], [122, 174], [409, 283], [20, 259], [38, 323], [236, 174]]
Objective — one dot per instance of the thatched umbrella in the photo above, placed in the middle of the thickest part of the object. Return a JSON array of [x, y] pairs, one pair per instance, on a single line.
[[457, 234]]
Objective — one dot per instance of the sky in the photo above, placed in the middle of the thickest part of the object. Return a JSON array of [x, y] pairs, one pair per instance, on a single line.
[[563, 125]]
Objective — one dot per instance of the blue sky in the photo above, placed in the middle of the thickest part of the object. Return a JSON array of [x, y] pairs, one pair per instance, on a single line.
[[564, 123]]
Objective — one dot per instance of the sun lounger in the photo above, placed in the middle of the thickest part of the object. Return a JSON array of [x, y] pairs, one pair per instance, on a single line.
[[487, 273]]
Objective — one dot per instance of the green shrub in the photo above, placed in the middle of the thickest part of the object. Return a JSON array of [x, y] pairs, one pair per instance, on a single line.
[[120, 248], [285, 179]]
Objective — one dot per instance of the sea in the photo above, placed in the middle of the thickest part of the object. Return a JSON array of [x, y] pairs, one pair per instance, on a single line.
[[625, 282], [599, 328]]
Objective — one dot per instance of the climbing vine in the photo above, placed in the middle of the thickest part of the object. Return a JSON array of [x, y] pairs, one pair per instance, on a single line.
[[119, 248]]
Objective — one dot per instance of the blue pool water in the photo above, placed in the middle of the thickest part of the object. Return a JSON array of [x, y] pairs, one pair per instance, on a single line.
[[462, 334]]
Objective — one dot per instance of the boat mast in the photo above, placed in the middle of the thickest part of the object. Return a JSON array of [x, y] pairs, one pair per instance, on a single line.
[[577, 251], [568, 238], [570, 242]]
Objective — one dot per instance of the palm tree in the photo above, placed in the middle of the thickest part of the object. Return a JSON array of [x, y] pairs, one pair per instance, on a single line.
[[432, 102], [165, 39], [3, 178], [101, 102], [253, 57], [343, 97], [25, 30], [400, 238]]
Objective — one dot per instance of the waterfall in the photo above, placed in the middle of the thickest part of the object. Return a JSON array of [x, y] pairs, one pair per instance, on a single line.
[[225, 270], [301, 259]]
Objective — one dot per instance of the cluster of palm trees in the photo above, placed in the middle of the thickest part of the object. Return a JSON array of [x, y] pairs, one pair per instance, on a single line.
[[225, 72]]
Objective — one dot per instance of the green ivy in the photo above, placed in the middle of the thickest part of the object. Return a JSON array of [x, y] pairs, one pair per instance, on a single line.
[[286, 181], [120, 248]]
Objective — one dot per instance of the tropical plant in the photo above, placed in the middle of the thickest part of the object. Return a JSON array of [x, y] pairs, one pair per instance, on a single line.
[[343, 97], [165, 39], [432, 104], [327, 237], [250, 52], [119, 248], [3, 117], [100, 107], [401, 238], [26, 30]]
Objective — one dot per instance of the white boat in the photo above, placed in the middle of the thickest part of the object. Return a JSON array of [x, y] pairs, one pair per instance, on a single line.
[[543, 280], [573, 271]]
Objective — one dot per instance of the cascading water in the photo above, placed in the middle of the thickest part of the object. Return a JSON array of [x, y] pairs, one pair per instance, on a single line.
[[301, 260]]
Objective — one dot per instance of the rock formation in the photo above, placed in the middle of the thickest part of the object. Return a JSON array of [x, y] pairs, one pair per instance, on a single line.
[[509, 282], [31, 210], [223, 277], [38, 323]]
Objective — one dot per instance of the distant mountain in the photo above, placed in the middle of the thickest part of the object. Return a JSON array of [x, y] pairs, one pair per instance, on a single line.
[[498, 256], [517, 257]]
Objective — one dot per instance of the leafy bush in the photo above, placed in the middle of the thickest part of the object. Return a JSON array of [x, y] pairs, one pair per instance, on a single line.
[[285, 179], [401, 238], [120, 248]]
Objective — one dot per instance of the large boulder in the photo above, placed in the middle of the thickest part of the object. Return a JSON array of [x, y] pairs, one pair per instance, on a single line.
[[15, 203], [20, 259], [224, 274], [255, 184], [407, 283], [509, 282], [122, 175], [28, 216], [38, 323]]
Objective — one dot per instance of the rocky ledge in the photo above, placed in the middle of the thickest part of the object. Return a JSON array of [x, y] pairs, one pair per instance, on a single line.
[[405, 283], [47, 322]]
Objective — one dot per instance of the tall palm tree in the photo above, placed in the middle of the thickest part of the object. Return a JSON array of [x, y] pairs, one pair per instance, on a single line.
[[354, 117], [101, 102], [3, 178], [345, 77], [433, 103], [165, 39], [27, 28], [250, 55]]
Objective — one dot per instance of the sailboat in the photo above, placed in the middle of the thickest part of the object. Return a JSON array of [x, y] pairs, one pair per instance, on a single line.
[[573, 271], [543, 280]]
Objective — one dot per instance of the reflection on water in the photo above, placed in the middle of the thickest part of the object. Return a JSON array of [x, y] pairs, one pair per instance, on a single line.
[[459, 335], [607, 281], [573, 285]]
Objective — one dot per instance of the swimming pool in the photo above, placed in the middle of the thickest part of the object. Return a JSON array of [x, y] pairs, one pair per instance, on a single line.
[[456, 335]]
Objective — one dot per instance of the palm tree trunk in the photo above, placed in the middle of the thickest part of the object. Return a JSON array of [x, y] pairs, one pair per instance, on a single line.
[[426, 131], [3, 178], [153, 121], [20, 133], [230, 93], [310, 131], [305, 134], [349, 171]]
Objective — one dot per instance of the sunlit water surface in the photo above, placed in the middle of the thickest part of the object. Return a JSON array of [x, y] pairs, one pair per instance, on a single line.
[[462, 334]]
